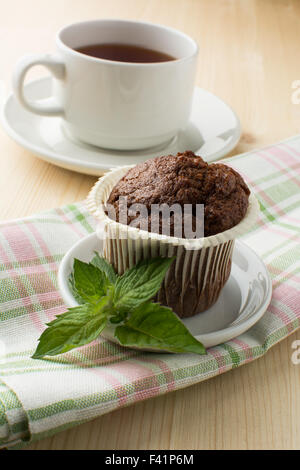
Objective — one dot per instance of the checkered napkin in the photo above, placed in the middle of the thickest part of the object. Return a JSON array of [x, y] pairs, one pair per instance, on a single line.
[[39, 398]]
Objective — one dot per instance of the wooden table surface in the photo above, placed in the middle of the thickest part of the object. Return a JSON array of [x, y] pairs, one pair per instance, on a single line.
[[249, 56]]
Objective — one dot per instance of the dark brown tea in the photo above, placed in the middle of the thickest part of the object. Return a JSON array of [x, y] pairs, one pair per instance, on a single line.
[[124, 53]]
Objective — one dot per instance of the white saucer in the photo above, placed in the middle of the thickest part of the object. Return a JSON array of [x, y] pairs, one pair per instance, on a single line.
[[243, 300], [214, 130]]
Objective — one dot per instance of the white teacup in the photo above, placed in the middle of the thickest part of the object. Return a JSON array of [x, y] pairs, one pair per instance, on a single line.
[[110, 104]]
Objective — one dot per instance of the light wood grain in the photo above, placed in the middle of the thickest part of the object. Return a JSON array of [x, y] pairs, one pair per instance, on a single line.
[[249, 56]]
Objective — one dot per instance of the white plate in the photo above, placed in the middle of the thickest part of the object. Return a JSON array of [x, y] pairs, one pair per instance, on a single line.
[[242, 302], [213, 130]]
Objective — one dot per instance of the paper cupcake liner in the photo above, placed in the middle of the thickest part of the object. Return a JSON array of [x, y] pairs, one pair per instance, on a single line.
[[201, 268]]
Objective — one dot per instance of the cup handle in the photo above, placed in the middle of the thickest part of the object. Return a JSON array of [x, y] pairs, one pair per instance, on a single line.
[[45, 107]]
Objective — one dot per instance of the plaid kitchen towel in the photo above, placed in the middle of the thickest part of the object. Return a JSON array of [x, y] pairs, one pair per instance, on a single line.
[[41, 397]]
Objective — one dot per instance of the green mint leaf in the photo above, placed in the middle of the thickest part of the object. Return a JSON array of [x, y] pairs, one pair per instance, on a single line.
[[75, 328], [72, 288], [118, 317], [154, 326], [140, 283], [89, 282], [105, 267]]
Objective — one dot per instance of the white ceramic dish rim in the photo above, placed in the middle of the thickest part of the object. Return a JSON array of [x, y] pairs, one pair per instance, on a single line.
[[75, 164], [230, 331]]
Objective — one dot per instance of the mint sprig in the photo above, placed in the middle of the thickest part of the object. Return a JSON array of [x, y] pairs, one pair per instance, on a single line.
[[123, 302]]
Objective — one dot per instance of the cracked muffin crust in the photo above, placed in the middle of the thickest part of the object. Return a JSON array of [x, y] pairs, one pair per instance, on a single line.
[[185, 179]]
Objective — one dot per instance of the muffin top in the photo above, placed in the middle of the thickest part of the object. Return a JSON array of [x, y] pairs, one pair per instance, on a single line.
[[185, 179]]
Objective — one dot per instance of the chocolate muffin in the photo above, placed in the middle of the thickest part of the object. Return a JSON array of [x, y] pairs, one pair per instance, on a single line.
[[184, 179], [202, 265]]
